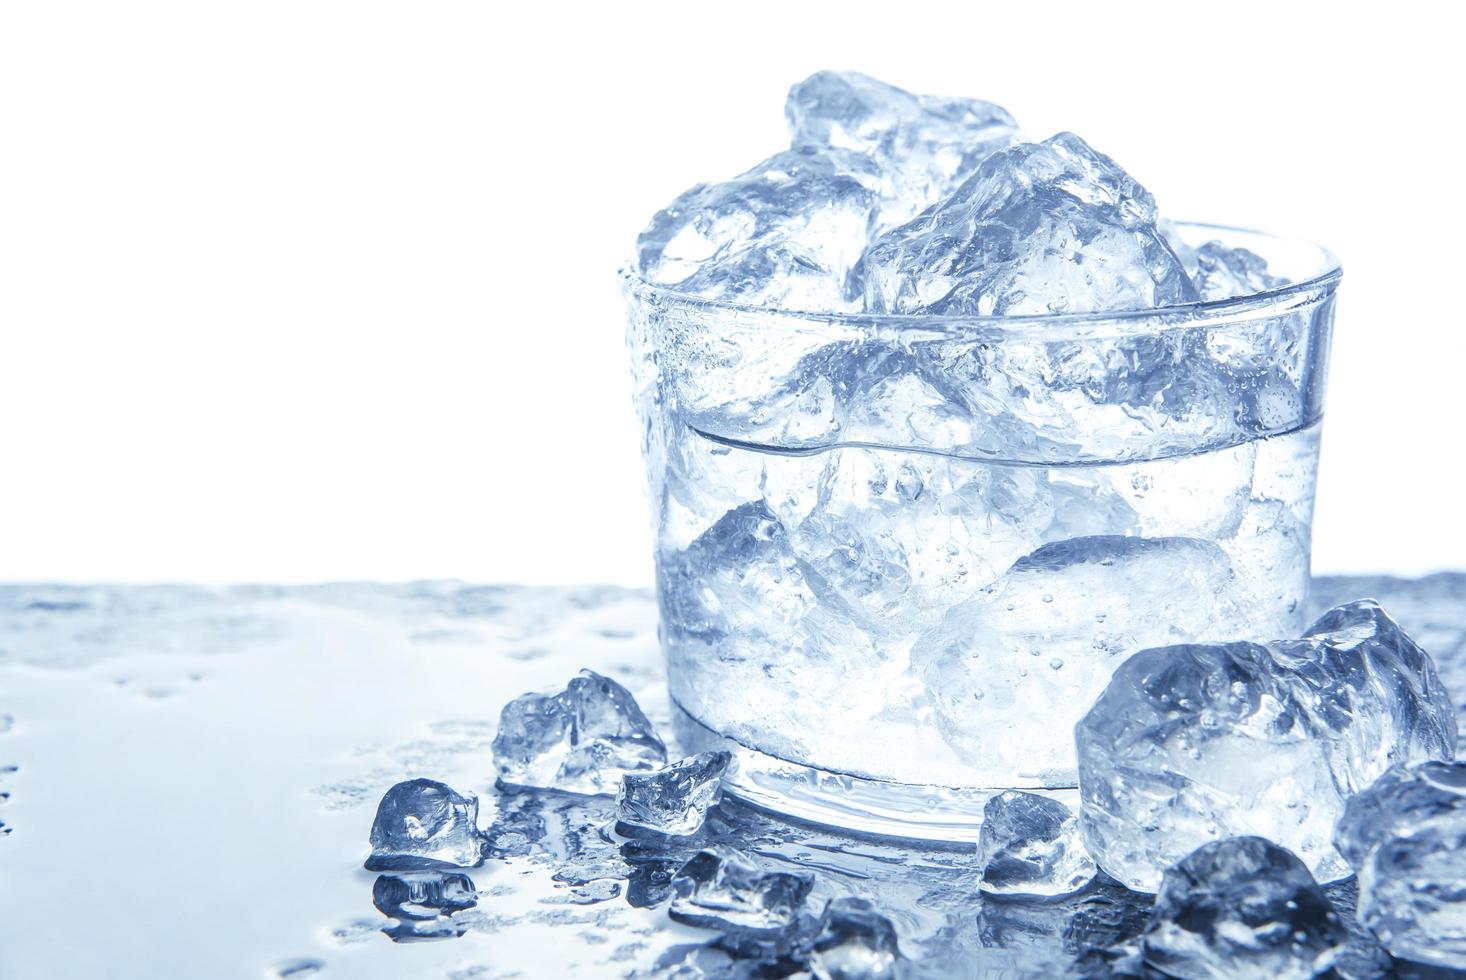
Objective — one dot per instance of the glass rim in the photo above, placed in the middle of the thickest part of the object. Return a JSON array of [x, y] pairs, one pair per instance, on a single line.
[[1291, 296]]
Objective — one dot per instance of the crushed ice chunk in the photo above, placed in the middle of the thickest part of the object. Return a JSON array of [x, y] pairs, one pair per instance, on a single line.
[[674, 800], [1009, 670], [854, 942], [1406, 837], [1242, 908], [1029, 845], [581, 740], [924, 144], [1197, 742], [1220, 272], [721, 888], [423, 824], [1051, 227], [785, 233]]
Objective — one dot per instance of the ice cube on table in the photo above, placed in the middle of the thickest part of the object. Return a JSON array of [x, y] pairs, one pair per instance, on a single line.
[[1008, 671], [1051, 227], [581, 740], [423, 824], [1029, 845], [1405, 835], [854, 942], [720, 887], [924, 145], [675, 800], [1239, 909], [1197, 742], [784, 234]]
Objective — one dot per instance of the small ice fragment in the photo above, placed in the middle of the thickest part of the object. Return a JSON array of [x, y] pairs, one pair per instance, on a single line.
[[854, 942], [423, 824], [1197, 742], [783, 234], [1051, 227], [1406, 837], [721, 888], [1029, 845], [423, 896], [674, 800], [1242, 908], [581, 740], [1220, 272], [924, 144]]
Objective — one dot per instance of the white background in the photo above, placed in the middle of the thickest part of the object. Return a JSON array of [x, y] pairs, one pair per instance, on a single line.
[[296, 291]]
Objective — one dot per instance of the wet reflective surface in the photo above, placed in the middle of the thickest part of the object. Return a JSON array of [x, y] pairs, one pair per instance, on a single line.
[[188, 777]]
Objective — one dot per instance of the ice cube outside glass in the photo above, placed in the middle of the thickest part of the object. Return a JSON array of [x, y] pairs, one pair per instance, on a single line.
[[898, 557]]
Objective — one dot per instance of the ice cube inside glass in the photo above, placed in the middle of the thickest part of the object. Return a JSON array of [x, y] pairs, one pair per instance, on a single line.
[[898, 556]]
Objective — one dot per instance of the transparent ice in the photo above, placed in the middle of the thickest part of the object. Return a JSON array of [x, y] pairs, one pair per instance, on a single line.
[[1051, 227], [1242, 909], [423, 824], [854, 942], [423, 905], [1196, 742], [581, 740], [1405, 835], [674, 800], [1029, 845], [924, 145], [721, 887]]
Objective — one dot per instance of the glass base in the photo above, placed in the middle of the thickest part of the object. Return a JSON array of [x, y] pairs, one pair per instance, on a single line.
[[845, 802]]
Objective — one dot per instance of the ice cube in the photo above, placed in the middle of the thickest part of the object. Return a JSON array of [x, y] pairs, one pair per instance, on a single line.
[[784, 234], [1051, 227], [423, 824], [1029, 845], [674, 800], [1219, 272], [924, 144], [722, 888], [1193, 743], [581, 740], [1406, 837], [1242, 908], [1008, 671], [854, 942]]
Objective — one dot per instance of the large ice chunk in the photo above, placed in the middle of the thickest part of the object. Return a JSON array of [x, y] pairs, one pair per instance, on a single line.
[[1029, 845], [423, 824], [722, 888], [924, 144], [581, 740], [1051, 227], [1008, 671], [1193, 743], [1406, 837], [1242, 909], [784, 234], [674, 800]]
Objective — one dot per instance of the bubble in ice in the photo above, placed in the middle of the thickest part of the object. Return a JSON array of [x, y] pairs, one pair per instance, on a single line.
[[785, 233], [1051, 227], [1029, 845], [924, 145], [424, 824], [1405, 835], [581, 740], [720, 887], [1242, 909], [854, 942], [1115, 594], [674, 800], [1197, 742]]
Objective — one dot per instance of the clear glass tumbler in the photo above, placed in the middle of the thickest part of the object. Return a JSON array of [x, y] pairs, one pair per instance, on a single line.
[[899, 556]]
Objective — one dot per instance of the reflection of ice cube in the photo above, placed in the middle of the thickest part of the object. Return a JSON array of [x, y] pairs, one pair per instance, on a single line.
[[674, 800], [722, 888], [1242, 908], [923, 144], [1189, 744], [581, 740], [423, 824], [1029, 845], [1009, 672]]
